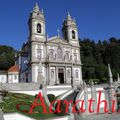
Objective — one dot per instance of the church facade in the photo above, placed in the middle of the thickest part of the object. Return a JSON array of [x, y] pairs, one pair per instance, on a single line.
[[59, 56]]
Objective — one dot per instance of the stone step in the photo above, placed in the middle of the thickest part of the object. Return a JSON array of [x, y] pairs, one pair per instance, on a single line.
[[59, 87]]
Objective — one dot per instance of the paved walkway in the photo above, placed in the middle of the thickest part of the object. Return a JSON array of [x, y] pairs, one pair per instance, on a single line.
[[16, 116], [114, 116]]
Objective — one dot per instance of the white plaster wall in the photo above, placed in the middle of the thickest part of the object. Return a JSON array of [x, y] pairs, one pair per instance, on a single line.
[[3, 78], [12, 78]]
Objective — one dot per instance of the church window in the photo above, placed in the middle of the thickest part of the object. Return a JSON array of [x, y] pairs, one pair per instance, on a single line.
[[39, 53], [38, 28], [76, 74], [73, 34], [59, 53]]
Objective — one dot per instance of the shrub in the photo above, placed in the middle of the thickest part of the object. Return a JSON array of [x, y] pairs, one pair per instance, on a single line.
[[51, 97]]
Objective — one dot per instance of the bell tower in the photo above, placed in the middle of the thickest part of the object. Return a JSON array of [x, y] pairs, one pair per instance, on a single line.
[[69, 30], [36, 24]]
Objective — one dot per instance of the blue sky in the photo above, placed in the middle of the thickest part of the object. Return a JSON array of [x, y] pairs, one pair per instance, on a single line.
[[96, 19]]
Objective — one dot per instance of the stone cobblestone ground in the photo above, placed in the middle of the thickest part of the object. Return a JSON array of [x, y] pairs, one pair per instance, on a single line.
[[115, 116]]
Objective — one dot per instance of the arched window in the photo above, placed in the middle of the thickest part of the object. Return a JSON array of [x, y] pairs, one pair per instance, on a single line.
[[39, 28], [52, 74], [59, 53], [73, 34]]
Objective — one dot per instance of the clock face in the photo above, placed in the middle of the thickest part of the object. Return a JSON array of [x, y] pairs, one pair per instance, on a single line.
[[38, 28]]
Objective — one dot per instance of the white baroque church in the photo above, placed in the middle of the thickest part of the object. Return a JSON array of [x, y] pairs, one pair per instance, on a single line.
[[59, 56]]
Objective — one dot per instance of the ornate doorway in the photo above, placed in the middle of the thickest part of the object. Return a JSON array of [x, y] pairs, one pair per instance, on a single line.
[[61, 75]]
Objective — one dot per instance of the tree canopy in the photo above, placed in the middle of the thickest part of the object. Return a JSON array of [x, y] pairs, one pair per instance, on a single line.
[[7, 55], [96, 57]]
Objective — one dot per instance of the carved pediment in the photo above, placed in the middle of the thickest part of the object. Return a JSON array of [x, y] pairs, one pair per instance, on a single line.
[[57, 40]]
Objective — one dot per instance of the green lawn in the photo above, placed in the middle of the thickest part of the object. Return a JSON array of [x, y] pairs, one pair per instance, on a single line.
[[14, 99]]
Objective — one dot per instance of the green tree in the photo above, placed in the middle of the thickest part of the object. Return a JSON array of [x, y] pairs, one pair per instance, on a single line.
[[6, 57]]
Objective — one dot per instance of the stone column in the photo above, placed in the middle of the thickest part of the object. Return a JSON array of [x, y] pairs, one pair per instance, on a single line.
[[72, 84], [56, 77], [1, 115], [47, 75], [65, 74], [57, 81], [106, 95], [51, 80], [33, 73], [86, 98], [93, 95], [110, 97], [110, 88]]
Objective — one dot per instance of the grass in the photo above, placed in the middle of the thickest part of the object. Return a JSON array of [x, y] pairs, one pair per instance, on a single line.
[[11, 104]]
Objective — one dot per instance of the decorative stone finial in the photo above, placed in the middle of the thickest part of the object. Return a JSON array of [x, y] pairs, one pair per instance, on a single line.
[[74, 19], [36, 8], [42, 11], [110, 75], [69, 16], [58, 33]]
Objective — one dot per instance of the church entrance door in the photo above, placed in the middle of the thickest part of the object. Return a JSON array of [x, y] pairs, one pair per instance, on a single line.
[[61, 76]]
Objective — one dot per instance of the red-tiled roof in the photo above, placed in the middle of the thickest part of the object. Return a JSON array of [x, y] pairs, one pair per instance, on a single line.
[[14, 68]]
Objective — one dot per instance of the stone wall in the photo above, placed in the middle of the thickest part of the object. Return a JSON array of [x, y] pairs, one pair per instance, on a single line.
[[19, 86]]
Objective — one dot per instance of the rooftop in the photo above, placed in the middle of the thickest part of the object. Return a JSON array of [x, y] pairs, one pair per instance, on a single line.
[[14, 68]]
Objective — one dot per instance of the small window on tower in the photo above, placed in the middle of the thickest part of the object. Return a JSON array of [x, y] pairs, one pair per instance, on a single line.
[[76, 74], [73, 34], [38, 28]]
